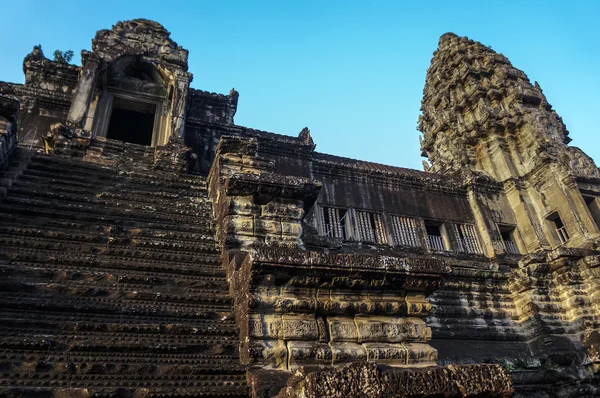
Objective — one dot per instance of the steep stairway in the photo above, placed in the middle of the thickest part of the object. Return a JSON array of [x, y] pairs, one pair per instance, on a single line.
[[110, 283]]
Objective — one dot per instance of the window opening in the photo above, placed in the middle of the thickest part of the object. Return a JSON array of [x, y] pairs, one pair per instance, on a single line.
[[435, 240], [507, 234], [406, 231], [334, 221], [594, 207], [371, 227], [131, 121], [561, 230], [466, 237]]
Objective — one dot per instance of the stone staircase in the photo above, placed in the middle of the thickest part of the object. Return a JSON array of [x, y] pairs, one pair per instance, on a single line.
[[110, 283]]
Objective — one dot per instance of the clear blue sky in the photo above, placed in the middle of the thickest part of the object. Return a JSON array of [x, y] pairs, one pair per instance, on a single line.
[[352, 71]]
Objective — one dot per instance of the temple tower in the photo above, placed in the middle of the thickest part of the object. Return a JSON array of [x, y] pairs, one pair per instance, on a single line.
[[483, 120]]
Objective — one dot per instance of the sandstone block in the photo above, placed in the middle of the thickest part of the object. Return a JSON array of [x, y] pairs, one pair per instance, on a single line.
[[299, 327], [284, 208], [391, 329], [307, 352], [342, 329]]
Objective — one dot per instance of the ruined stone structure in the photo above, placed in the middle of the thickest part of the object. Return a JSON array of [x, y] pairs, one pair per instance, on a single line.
[[149, 246]]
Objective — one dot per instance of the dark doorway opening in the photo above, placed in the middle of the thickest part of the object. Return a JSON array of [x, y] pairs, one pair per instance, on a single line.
[[131, 121]]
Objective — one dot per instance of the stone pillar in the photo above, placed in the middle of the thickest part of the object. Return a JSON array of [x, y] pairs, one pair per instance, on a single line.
[[530, 228], [181, 85], [483, 218], [85, 89]]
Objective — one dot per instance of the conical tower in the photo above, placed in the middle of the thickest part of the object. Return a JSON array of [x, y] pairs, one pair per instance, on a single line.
[[482, 117]]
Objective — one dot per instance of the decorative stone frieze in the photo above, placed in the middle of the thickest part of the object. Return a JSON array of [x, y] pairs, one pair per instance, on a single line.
[[370, 381]]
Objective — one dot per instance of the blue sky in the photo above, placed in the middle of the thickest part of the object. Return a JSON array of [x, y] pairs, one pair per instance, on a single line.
[[351, 71]]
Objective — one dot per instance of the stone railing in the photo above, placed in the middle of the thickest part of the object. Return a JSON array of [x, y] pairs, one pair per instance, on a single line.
[[436, 242], [9, 111], [510, 247]]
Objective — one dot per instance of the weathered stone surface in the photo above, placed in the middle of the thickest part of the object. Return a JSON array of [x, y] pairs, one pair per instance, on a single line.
[[9, 115], [111, 282], [368, 380], [254, 205], [490, 256], [139, 37]]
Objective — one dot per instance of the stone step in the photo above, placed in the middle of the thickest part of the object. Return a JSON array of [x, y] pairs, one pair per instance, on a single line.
[[88, 212], [62, 166], [84, 318], [109, 143], [28, 187], [141, 343], [31, 217], [203, 362], [59, 249], [101, 243], [108, 202], [208, 267], [66, 332], [106, 386], [102, 275], [118, 306], [127, 182], [97, 232], [110, 279], [105, 238], [110, 285]]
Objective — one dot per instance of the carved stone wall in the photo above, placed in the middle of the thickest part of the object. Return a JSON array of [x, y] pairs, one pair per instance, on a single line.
[[212, 107], [45, 97], [297, 307], [139, 36], [9, 115], [367, 380], [253, 205]]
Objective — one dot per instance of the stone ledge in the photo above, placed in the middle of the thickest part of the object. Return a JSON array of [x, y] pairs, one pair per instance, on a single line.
[[272, 185], [351, 262]]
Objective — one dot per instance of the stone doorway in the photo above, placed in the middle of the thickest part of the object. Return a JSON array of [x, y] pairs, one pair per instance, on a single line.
[[132, 121]]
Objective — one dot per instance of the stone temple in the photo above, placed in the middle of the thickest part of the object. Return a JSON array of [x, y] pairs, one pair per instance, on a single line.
[[151, 247]]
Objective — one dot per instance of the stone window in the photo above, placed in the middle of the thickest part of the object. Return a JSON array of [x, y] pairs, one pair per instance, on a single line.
[[436, 235], [132, 121], [593, 205], [406, 231], [335, 222], [466, 238], [509, 238], [371, 227], [559, 227]]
